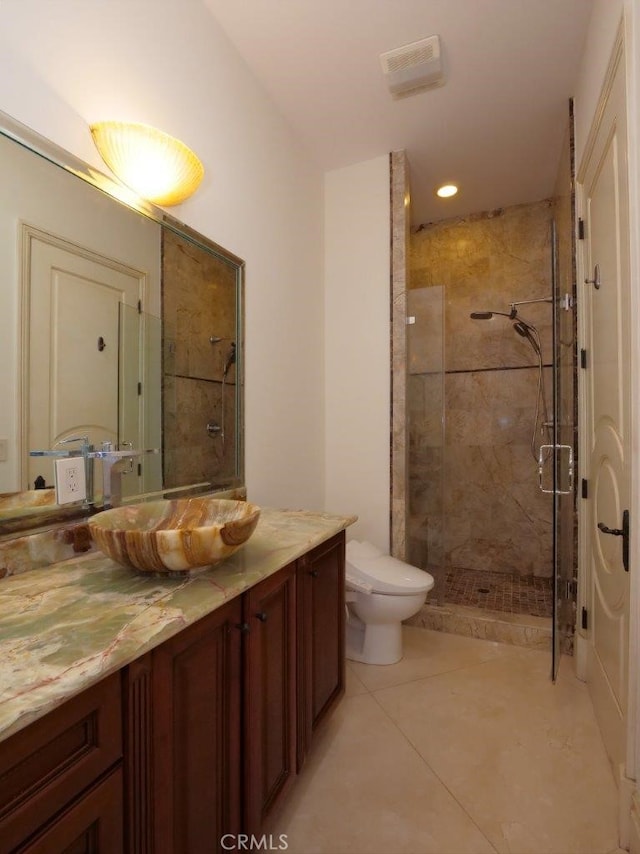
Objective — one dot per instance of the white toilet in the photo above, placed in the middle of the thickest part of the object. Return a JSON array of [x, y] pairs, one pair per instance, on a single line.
[[381, 593]]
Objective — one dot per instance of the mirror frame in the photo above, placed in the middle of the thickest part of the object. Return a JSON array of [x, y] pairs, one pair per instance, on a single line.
[[39, 145]]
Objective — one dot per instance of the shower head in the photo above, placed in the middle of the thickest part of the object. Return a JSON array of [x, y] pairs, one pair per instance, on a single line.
[[487, 315]]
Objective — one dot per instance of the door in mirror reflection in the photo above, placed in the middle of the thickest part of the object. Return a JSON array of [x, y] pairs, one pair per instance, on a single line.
[[85, 371]]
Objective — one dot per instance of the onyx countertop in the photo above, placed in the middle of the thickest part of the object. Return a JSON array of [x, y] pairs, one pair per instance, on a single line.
[[65, 626]]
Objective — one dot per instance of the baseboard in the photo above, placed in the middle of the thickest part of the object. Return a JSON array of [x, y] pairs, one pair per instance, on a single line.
[[626, 793], [634, 823], [581, 649]]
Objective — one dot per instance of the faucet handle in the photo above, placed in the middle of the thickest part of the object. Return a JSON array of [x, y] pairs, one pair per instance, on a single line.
[[127, 445], [84, 440]]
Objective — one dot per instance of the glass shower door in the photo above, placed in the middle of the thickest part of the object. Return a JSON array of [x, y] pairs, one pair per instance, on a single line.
[[425, 407]]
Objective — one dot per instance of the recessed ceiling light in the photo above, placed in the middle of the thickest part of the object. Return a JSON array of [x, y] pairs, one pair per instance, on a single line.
[[447, 190]]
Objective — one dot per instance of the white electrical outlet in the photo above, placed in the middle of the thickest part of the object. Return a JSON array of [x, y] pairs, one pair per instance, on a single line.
[[70, 480]]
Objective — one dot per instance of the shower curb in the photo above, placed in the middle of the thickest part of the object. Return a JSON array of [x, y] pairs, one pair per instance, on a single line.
[[515, 629]]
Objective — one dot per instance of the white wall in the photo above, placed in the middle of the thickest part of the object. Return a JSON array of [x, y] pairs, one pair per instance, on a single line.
[[357, 346], [603, 27], [67, 63]]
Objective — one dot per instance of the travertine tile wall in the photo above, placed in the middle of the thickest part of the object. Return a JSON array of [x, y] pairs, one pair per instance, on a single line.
[[400, 196], [473, 482], [199, 301]]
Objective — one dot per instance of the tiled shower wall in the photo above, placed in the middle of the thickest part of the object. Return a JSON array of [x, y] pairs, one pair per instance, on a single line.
[[198, 302], [472, 392]]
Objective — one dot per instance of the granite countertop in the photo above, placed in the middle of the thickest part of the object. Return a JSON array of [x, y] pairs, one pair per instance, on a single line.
[[66, 626]]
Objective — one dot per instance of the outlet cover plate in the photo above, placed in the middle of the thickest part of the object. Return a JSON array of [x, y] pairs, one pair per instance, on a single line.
[[71, 483]]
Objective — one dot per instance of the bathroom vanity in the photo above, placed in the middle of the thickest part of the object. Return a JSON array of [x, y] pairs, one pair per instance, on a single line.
[[145, 714]]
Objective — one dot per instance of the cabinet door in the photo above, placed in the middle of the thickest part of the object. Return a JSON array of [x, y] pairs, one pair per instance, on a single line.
[[270, 695], [46, 766], [321, 627], [91, 825], [196, 695]]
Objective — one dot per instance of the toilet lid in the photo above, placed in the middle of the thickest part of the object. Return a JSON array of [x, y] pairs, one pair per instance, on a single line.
[[385, 574]]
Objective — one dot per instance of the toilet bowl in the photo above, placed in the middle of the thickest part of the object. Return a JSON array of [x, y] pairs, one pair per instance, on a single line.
[[381, 592]]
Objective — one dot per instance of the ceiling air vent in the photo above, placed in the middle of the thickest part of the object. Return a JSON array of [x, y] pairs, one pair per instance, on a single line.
[[412, 67]]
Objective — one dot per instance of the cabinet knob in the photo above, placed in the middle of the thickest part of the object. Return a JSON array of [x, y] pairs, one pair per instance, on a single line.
[[262, 616], [313, 573], [243, 627]]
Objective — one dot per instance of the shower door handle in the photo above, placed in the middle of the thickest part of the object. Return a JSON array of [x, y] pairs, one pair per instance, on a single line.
[[542, 459]]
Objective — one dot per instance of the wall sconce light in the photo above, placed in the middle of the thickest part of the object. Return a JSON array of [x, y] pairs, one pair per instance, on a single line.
[[153, 164]]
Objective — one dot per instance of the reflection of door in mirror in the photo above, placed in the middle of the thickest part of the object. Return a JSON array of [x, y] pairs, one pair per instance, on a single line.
[[80, 307]]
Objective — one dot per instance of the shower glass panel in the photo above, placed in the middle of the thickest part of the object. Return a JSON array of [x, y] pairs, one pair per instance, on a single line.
[[564, 508], [425, 408]]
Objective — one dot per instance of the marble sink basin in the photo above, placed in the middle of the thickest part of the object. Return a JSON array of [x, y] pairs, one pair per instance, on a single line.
[[174, 535]]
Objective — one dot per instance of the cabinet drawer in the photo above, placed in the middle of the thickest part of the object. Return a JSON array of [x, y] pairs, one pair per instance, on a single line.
[[48, 764], [91, 825]]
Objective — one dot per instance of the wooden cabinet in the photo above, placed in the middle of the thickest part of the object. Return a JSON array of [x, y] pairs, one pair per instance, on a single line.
[[93, 823], [270, 695], [321, 630], [52, 773], [197, 725], [201, 737]]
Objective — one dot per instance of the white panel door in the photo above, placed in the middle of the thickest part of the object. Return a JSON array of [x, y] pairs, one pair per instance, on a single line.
[[606, 443], [84, 364]]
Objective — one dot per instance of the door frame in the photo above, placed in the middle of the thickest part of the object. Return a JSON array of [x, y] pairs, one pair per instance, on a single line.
[[627, 775]]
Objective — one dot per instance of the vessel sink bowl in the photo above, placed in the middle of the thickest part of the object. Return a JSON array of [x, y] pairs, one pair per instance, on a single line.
[[174, 535]]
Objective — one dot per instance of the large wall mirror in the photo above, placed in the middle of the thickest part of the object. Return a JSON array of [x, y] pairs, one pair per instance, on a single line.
[[119, 325]]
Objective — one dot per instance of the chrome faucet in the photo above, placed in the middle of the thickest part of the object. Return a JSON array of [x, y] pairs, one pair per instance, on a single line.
[[113, 465], [113, 462]]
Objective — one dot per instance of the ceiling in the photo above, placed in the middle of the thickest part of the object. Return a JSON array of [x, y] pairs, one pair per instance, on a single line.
[[496, 125]]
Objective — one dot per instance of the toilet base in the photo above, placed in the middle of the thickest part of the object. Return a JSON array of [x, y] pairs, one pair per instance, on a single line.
[[374, 644]]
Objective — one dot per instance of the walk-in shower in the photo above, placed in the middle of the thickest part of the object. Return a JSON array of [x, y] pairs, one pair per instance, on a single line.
[[484, 419]]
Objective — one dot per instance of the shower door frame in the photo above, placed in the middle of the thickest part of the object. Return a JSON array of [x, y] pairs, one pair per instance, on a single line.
[[563, 463]]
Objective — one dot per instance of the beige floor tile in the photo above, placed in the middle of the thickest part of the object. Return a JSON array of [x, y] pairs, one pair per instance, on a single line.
[[521, 755], [426, 653], [353, 684], [365, 790]]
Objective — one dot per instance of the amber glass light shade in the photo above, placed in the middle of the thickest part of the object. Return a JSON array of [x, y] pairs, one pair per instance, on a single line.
[[153, 164]]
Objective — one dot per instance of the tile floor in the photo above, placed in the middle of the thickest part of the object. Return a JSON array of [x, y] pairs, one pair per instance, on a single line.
[[507, 592], [463, 747]]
